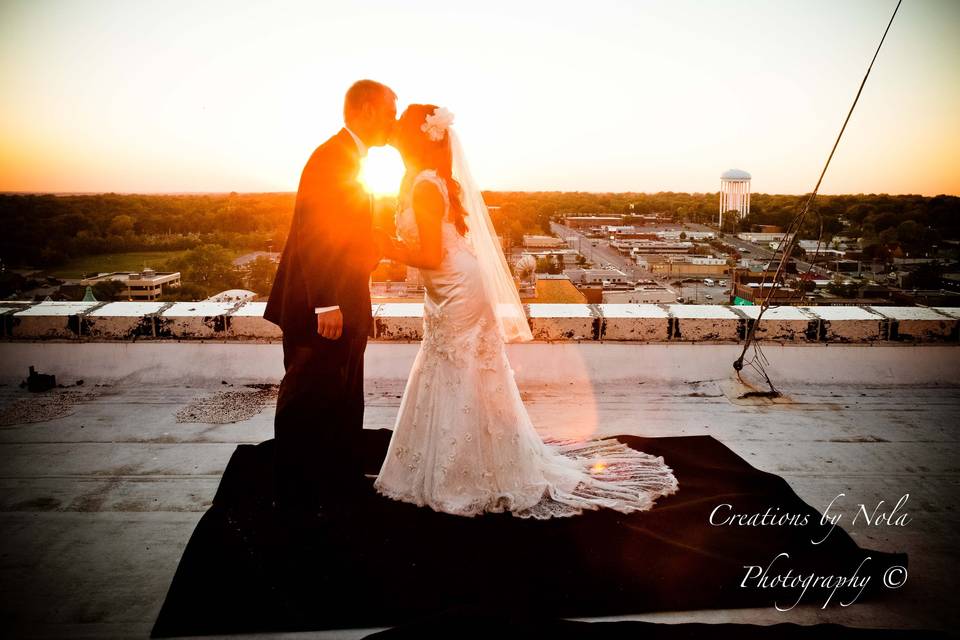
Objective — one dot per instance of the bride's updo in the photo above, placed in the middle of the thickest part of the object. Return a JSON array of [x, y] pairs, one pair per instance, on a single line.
[[419, 150]]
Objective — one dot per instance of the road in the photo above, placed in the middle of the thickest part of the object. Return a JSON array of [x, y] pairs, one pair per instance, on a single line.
[[602, 254], [599, 255], [761, 252]]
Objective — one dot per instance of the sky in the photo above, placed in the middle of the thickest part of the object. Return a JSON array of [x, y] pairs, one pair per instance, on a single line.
[[646, 96]]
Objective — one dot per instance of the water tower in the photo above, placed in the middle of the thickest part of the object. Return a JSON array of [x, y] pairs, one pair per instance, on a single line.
[[734, 193]]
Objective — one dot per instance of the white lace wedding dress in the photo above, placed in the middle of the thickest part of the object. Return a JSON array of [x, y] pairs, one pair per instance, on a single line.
[[463, 442]]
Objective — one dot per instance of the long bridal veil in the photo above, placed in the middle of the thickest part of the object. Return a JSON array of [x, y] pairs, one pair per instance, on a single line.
[[497, 281]]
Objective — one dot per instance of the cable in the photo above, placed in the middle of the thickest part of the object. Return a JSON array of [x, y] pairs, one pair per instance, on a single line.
[[789, 240]]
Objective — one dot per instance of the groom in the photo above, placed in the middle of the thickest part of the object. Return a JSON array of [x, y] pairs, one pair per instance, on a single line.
[[321, 300]]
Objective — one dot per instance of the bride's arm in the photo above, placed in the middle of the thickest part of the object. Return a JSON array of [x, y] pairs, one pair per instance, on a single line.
[[428, 211]]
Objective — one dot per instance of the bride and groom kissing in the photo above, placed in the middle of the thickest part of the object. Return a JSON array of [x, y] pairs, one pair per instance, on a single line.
[[462, 441]]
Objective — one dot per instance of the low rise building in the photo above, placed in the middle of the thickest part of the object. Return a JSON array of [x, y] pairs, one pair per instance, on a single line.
[[563, 257], [644, 247], [543, 242], [595, 276], [675, 234], [141, 285], [643, 294], [553, 288], [586, 222], [760, 238], [689, 266]]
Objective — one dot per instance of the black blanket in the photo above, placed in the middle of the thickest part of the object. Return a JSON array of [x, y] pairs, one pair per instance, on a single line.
[[380, 562]]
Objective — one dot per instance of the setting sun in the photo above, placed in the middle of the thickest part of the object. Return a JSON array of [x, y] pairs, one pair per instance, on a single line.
[[382, 171]]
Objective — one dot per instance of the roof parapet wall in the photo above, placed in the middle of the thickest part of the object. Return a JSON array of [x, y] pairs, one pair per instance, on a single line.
[[243, 321]]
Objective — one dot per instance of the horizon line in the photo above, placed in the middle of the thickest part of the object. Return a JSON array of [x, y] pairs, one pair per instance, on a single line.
[[217, 193]]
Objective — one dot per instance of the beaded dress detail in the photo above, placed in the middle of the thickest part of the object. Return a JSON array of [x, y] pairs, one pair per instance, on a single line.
[[463, 442]]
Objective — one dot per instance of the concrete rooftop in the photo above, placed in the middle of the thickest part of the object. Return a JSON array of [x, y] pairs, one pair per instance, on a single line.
[[104, 482]]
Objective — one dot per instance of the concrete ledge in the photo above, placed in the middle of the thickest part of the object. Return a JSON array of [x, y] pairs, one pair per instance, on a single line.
[[196, 362], [247, 322], [634, 322], [564, 321], [243, 321]]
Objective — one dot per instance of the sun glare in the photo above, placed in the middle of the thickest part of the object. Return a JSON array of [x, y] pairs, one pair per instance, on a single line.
[[382, 171]]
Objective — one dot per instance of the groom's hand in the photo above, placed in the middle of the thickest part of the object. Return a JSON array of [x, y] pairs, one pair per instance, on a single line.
[[330, 324]]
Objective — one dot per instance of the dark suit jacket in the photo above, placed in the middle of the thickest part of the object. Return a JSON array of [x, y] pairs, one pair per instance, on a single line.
[[329, 252]]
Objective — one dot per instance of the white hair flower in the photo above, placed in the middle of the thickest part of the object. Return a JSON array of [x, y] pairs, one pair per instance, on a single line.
[[436, 124]]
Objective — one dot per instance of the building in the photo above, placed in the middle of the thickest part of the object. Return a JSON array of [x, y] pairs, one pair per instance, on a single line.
[[811, 246], [141, 285], [626, 230], [561, 256], [689, 266], [586, 222], [756, 292], [543, 242], [760, 238], [745, 287], [595, 276], [642, 294], [687, 235], [647, 247], [553, 288], [853, 267], [734, 194]]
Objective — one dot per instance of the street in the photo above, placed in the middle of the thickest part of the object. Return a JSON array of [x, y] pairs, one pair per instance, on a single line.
[[694, 290], [760, 252]]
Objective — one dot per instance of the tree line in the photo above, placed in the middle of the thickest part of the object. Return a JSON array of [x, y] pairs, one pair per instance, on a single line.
[[46, 230]]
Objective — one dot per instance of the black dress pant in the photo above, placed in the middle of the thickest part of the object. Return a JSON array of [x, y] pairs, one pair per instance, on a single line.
[[319, 421]]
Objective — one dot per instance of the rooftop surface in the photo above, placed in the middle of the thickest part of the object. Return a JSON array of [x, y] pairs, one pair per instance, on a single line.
[[103, 482], [100, 499]]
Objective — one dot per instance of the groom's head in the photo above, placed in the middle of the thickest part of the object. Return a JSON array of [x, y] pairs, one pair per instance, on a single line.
[[370, 110]]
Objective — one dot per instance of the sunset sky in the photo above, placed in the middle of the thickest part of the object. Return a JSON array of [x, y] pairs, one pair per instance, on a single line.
[[175, 96]]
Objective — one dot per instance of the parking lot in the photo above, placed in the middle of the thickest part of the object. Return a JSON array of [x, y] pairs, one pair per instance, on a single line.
[[695, 291]]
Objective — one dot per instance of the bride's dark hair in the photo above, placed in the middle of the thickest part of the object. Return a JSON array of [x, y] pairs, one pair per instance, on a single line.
[[414, 144]]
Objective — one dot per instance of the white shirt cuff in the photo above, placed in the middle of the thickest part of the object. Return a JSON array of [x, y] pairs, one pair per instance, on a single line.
[[325, 309]]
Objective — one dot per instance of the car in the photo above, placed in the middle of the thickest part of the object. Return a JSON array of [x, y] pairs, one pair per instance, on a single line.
[[708, 296]]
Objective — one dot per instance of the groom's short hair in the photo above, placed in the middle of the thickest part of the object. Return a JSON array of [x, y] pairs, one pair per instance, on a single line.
[[362, 92]]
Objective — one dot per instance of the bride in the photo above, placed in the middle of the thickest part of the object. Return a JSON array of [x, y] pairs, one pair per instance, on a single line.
[[463, 442]]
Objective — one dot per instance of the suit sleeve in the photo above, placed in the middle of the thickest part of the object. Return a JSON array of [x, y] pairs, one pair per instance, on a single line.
[[322, 241]]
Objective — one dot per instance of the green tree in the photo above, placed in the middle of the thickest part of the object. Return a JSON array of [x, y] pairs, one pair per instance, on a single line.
[[260, 275], [548, 264], [121, 225], [110, 290], [908, 232], [209, 267], [186, 292], [927, 276], [838, 288]]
